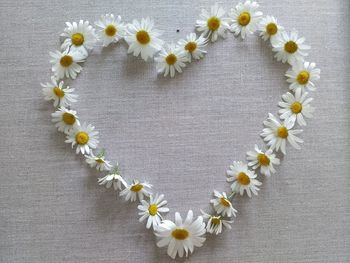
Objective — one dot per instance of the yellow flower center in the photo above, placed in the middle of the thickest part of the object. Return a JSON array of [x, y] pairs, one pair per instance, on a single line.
[[180, 234], [271, 29], [110, 30], [82, 138], [263, 159], [191, 46], [303, 77], [100, 161], [291, 47], [77, 39], [282, 132], [244, 19], [153, 209], [215, 220], [66, 61], [296, 107], [68, 118], [143, 37], [213, 23], [171, 59], [243, 178], [58, 92], [136, 188], [225, 202]]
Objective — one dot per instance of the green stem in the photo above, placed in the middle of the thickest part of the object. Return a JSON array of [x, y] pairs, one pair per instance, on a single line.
[[115, 169], [231, 195], [101, 153]]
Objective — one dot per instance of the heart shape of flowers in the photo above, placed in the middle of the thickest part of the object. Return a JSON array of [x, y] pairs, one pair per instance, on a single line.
[[182, 236]]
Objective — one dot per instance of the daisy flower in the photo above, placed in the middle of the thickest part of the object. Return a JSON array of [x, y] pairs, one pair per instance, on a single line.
[[295, 107], [111, 29], [152, 210], [276, 134], [222, 205], [302, 75], [181, 237], [215, 223], [243, 179], [289, 48], [98, 161], [78, 35], [193, 46], [62, 97], [143, 38], [84, 136], [114, 179], [213, 23], [245, 18], [136, 190], [263, 159], [170, 60], [66, 63], [269, 28], [65, 119]]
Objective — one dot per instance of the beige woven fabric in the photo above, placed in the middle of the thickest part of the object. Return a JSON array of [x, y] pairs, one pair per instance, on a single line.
[[180, 134]]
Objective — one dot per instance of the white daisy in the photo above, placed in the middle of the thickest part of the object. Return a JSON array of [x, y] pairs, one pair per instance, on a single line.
[[153, 210], [78, 35], [170, 60], [114, 179], [289, 47], [213, 23], [98, 161], [65, 119], [276, 134], [193, 46], [181, 236], [143, 38], [62, 97], [296, 107], [65, 64], [84, 136], [269, 28], [302, 75], [222, 204], [136, 190], [245, 18], [111, 29], [263, 159], [215, 223], [243, 179]]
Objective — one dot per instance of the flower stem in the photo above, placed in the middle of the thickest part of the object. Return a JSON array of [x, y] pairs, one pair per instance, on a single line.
[[231, 195]]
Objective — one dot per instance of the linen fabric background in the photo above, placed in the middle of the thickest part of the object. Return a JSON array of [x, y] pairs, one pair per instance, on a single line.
[[180, 134]]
